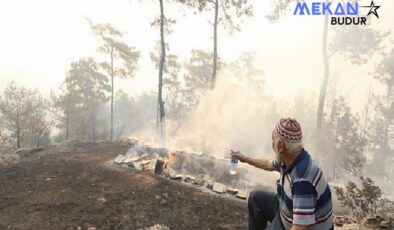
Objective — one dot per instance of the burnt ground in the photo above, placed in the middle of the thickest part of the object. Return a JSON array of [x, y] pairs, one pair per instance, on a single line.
[[81, 189]]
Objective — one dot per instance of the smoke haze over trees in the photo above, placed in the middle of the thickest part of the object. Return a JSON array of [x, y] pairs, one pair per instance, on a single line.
[[239, 112]]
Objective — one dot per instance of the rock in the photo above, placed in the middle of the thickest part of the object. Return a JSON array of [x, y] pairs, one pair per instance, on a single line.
[[171, 173], [101, 200], [28, 151], [156, 227], [174, 175], [163, 201], [9, 158], [129, 159], [219, 188], [210, 185], [371, 221], [242, 195], [133, 165], [387, 224], [201, 179], [197, 153], [339, 220], [189, 179], [147, 156], [351, 227], [177, 177], [232, 191], [119, 159], [349, 220], [147, 165]]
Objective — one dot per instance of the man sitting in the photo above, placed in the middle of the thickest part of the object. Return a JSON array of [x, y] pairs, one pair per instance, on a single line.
[[303, 199]]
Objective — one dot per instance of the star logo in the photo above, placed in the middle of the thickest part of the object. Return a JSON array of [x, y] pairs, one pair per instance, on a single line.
[[373, 9]]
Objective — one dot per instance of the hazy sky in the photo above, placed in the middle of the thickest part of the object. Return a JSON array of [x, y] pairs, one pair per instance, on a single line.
[[40, 38]]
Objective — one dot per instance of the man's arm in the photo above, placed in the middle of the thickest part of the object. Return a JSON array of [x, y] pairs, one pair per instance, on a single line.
[[259, 163], [304, 204]]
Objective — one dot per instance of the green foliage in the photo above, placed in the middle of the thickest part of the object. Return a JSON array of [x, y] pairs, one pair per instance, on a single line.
[[146, 106], [185, 83], [198, 74], [381, 127], [84, 90], [172, 82], [385, 71], [168, 23], [363, 201], [356, 43], [6, 142], [246, 71], [24, 113], [280, 9], [342, 140], [86, 83], [196, 79], [124, 57], [231, 12], [121, 58], [128, 117]]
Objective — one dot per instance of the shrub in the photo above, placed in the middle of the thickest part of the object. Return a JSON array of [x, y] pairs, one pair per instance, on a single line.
[[362, 201]]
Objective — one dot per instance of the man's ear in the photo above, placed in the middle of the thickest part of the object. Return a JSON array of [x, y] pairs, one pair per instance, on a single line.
[[281, 146]]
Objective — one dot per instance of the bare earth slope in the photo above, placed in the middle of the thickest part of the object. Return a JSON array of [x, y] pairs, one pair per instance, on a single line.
[[81, 189]]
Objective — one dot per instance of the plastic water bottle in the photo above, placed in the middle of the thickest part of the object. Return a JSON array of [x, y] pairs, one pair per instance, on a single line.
[[233, 166]]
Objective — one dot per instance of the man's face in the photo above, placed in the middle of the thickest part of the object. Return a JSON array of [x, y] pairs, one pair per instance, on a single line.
[[277, 144]]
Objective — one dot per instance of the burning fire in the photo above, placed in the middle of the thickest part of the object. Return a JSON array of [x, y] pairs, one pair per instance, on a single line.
[[171, 158]]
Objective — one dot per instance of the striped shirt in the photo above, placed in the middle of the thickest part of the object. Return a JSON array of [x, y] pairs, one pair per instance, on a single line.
[[304, 194]]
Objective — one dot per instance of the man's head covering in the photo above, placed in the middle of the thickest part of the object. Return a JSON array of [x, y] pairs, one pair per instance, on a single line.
[[289, 130]]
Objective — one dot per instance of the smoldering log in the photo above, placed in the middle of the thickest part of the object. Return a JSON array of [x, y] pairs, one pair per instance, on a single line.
[[159, 167]]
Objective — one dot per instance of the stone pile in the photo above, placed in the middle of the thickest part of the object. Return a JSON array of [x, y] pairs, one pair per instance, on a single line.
[[194, 169]]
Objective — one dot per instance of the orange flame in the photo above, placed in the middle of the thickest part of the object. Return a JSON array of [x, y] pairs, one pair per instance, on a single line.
[[171, 158]]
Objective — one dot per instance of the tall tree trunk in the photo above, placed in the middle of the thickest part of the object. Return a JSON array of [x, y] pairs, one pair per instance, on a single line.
[[215, 44], [67, 116], [334, 165], [94, 134], [365, 139], [323, 89], [387, 140], [333, 122], [112, 93], [161, 67], [38, 141], [18, 137], [18, 131], [94, 125]]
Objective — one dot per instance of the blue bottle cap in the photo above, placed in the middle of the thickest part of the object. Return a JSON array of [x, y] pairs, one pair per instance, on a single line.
[[234, 160]]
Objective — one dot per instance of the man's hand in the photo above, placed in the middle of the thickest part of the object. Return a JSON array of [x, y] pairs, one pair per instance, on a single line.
[[238, 155], [259, 163]]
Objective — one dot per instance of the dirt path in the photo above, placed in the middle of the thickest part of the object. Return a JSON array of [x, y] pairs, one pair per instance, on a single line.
[[82, 189]]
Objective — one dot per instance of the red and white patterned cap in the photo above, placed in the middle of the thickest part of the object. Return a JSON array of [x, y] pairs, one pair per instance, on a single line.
[[289, 130]]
